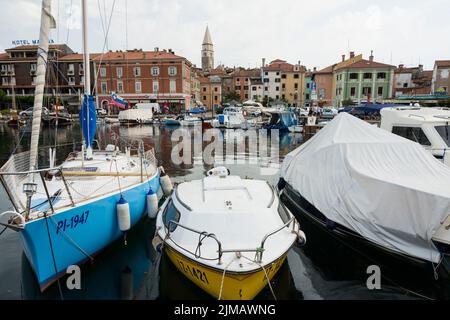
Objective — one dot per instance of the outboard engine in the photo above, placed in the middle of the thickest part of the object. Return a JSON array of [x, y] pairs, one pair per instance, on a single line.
[[218, 171]]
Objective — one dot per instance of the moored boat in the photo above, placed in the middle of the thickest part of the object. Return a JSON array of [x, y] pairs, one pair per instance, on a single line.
[[189, 120], [383, 197], [427, 126], [141, 113], [65, 214], [227, 235]]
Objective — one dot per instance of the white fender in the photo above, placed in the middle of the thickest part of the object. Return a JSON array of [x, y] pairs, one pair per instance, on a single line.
[[123, 215], [219, 171], [301, 238], [166, 184], [152, 204]]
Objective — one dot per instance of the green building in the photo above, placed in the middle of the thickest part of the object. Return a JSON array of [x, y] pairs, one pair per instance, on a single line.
[[363, 81]]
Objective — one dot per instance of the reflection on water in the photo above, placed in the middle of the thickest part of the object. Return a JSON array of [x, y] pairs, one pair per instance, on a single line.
[[131, 272]]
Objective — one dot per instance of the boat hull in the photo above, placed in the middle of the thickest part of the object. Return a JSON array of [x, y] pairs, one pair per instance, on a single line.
[[348, 254], [235, 286], [54, 243]]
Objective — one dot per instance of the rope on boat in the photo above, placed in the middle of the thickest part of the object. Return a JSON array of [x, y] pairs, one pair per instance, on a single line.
[[4, 229], [265, 274], [201, 237], [72, 241], [223, 276], [53, 255]]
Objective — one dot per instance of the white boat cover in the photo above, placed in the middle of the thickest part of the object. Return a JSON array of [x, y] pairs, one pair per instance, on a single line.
[[386, 188]]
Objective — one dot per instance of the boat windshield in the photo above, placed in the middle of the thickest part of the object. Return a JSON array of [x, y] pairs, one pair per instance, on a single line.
[[171, 214], [444, 132]]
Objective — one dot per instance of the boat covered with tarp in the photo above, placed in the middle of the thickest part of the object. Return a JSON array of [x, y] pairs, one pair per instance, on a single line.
[[363, 183]]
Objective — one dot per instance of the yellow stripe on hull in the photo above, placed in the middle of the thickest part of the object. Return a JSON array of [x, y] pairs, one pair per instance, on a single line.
[[235, 286]]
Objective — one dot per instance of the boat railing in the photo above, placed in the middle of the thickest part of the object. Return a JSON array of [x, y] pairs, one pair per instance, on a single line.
[[202, 235], [15, 172], [259, 251]]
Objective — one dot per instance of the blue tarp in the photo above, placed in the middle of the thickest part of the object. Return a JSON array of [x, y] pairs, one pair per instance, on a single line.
[[282, 121], [197, 110], [88, 119], [367, 109]]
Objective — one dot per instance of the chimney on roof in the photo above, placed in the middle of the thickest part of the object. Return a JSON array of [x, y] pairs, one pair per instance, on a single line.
[[400, 66], [263, 62], [156, 49], [314, 69], [343, 57], [371, 56], [352, 54]]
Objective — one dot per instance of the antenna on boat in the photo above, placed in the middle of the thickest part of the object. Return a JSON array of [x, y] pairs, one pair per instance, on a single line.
[[47, 22]]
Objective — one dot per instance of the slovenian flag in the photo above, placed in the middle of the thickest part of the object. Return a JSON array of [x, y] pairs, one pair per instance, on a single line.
[[118, 101]]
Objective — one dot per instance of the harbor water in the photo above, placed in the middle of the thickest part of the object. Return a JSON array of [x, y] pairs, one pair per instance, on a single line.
[[135, 270]]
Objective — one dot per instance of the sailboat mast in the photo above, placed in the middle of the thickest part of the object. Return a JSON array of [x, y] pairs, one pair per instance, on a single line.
[[87, 69], [47, 22]]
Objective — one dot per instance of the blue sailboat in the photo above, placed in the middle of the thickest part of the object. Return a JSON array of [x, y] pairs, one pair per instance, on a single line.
[[67, 214]]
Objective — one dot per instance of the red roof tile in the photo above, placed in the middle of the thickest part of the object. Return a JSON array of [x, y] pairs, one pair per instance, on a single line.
[[367, 64], [279, 65], [443, 63], [326, 70], [136, 55]]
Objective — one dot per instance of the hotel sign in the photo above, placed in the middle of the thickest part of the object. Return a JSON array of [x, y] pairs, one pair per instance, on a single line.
[[29, 42]]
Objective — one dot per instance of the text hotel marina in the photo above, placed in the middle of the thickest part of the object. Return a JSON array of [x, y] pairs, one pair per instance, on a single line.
[[141, 174]]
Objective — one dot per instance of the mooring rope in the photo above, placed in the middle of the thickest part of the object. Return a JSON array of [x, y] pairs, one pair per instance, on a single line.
[[65, 235], [223, 276], [265, 274]]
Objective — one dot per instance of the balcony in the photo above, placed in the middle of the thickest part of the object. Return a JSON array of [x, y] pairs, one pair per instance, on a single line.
[[3, 73], [81, 72], [32, 72], [11, 73], [70, 72]]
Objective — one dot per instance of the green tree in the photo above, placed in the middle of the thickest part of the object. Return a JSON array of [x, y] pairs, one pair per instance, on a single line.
[[230, 97], [267, 100], [347, 102]]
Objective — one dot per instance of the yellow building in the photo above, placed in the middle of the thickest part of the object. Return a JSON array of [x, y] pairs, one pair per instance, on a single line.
[[211, 91], [292, 84]]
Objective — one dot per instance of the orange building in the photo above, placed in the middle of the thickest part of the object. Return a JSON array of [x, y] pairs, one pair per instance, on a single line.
[[324, 85]]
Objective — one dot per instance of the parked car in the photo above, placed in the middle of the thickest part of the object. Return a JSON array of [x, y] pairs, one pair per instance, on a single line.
[[28, 113], [329, 112], [102, 112]]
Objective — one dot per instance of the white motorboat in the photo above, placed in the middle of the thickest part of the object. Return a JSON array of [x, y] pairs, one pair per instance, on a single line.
[[228, 235], [188, 121], [427, 126], [231, 118]]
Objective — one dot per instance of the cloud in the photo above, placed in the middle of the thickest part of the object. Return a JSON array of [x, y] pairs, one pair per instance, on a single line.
[[243, 32]]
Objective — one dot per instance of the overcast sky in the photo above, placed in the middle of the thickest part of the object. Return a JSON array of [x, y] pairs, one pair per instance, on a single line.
[[243, 31]]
